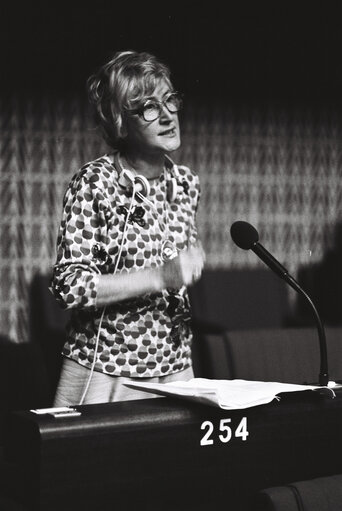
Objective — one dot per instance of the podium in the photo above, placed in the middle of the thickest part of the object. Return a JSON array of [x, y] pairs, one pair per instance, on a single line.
[[172, 455]]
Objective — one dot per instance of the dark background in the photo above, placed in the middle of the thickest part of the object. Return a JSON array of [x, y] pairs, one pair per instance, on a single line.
[[248, 51]]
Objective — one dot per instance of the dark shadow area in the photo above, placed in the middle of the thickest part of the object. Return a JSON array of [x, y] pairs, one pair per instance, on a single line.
[[225, 300], [239, 299], [23, 386], [234, 49], [323, 283], [287, 355], [23, 377], [47, 328], [28, 378]]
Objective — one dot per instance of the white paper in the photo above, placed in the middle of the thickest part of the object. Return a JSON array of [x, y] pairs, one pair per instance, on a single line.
[[60, 409], [226, 394]]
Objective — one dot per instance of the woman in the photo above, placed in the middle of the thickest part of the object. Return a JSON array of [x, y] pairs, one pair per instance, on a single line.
[[127, 244]]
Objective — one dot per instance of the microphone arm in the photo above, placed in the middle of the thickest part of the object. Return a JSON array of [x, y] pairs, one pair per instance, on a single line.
[[272, 263], [282, 272], [323, 378]]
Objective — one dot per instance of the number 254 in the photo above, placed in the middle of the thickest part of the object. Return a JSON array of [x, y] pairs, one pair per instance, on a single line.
[[225, 429]]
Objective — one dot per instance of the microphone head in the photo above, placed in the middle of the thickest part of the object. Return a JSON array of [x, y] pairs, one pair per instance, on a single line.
[[244, 234]]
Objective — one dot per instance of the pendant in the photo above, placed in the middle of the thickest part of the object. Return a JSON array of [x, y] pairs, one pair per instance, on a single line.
[[169, 250]]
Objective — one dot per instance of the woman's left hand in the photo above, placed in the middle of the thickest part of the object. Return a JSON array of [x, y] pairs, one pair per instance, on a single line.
[[186, 268]]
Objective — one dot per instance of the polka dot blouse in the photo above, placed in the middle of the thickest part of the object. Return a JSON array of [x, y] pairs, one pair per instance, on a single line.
[[142, 337]]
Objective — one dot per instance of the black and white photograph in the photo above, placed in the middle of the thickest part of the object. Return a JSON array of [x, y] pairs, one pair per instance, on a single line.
[[171, 256]]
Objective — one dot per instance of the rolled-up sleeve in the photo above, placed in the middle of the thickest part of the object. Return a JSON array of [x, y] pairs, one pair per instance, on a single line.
[[82, 236]]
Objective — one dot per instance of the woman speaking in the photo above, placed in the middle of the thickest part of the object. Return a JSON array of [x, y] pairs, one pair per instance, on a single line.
[[127, 245]]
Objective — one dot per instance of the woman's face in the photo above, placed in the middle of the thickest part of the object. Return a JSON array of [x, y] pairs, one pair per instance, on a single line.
[[159, 136]]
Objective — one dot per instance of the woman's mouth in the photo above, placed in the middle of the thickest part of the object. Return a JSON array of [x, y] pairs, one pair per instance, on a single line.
[[168, 133]]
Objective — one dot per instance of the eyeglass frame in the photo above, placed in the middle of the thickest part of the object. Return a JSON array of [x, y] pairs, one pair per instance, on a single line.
[[159, 105]]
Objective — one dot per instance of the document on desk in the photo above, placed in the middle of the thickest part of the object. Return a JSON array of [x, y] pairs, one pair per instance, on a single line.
[[226, 394]]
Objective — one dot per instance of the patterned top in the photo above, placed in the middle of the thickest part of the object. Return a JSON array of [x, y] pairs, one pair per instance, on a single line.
[[142, 337]]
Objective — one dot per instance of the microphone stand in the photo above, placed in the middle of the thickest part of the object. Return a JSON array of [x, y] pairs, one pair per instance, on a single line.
[[246, 236], [323, 375], [282, 272]]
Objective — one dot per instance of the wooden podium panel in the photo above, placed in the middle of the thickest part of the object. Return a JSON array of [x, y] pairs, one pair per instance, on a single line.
[[172, 455]]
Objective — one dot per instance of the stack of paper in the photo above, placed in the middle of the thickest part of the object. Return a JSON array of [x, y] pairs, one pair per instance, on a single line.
[[226, 394]]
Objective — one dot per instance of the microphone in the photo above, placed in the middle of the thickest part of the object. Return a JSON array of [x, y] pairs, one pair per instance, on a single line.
[[245, 236]]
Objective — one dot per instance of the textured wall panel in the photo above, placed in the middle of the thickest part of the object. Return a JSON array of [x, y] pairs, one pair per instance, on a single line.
[[278, 168]]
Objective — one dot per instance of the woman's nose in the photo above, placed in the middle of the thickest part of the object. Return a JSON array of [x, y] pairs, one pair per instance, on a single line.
[[165, 114]]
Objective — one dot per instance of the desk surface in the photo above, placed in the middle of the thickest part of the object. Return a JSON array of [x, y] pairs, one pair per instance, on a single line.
[[168, 454]]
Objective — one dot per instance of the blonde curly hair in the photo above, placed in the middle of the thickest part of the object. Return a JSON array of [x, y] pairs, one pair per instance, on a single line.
[[120, 84]]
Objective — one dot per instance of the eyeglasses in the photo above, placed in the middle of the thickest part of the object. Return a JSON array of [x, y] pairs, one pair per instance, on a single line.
[[152, 109]]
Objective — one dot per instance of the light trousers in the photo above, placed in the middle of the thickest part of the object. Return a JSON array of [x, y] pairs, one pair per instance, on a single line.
[[104, 388]]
